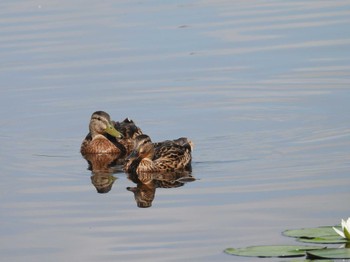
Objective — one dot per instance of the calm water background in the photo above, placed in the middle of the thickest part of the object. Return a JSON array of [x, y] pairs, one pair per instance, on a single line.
[[261, 87]]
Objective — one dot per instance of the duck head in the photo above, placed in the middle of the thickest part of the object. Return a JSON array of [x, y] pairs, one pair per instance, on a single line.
[[144, 148], [100, 123]]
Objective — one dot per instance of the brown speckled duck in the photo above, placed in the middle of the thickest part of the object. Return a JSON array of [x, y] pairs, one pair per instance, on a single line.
[[109, 137], [167, 156]]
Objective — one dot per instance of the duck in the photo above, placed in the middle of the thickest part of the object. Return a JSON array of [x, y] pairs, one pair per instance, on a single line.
[[166, 156], [109, 137]]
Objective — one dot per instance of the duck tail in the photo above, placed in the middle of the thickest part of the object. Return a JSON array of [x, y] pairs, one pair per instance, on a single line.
[[191, 144]]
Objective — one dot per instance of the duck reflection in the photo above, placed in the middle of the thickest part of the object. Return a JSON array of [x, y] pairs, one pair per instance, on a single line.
[[103, 182], [102, 167], [147, 183], [144, 194]]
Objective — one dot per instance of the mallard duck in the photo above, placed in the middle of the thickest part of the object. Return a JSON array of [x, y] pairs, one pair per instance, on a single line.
[[167, 156], [109, 137]]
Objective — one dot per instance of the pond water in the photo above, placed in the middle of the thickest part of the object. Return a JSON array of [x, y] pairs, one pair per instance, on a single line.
[[261, 87]]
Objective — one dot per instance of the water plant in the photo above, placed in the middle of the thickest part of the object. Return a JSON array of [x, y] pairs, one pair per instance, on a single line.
[[346, 229], [318, 235], [271, 251]]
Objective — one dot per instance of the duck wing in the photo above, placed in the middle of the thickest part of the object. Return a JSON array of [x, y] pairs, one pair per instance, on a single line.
[[130, 131], [128, 128], [170, 156]]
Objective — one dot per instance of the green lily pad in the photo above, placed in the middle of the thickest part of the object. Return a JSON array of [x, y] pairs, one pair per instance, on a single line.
[[271, 251], [320, 235], [310, 232], [323, 240], [330, 253]]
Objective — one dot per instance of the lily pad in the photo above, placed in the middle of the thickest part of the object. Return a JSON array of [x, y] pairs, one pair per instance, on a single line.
[[312, 232], [329, 253], [320, 235], [324, 240], [271, 251]]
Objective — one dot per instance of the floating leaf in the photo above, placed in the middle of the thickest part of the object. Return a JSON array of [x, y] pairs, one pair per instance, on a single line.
[[324, 240], [320, 235], [310, 232], [331, 253], [271, 251]]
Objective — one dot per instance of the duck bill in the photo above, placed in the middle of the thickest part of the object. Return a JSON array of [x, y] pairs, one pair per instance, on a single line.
[[113, 132]]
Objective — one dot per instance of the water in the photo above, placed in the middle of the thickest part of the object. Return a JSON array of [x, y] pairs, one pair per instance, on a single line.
[[261, 87]]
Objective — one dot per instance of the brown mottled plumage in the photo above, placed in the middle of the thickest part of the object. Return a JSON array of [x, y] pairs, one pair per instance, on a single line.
[[109, 137], [167, 156], [129, 131], [103, 163]]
